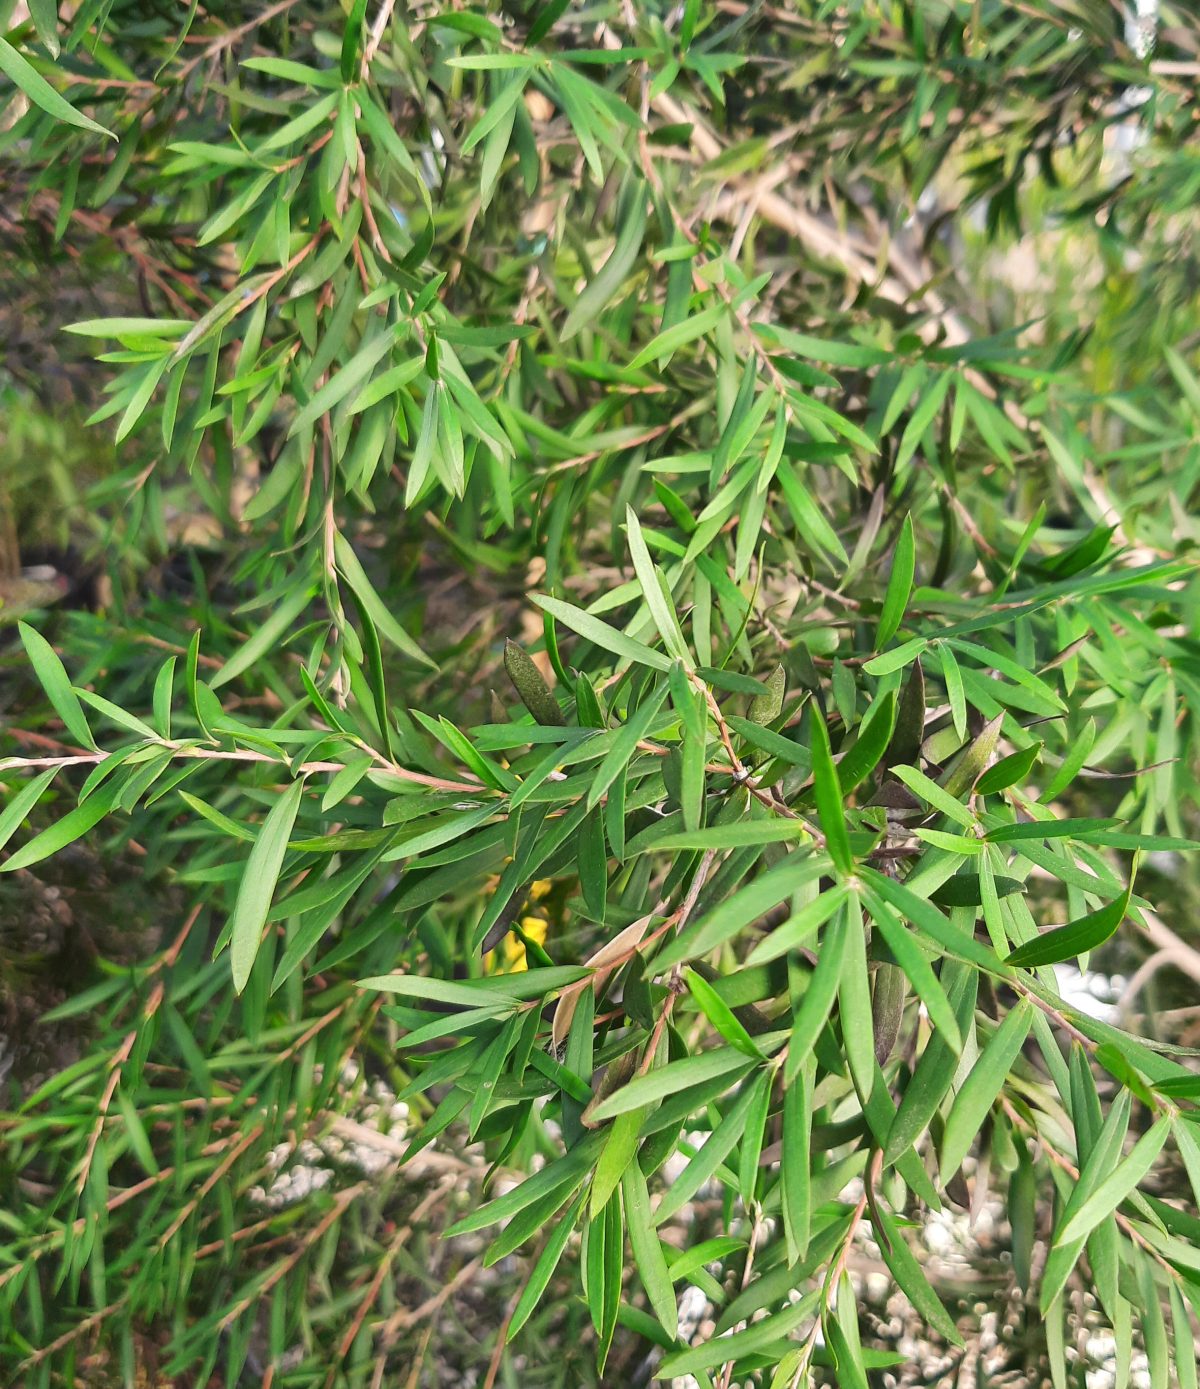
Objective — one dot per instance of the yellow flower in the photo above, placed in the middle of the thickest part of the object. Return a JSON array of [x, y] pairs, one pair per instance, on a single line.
[[509, 956]]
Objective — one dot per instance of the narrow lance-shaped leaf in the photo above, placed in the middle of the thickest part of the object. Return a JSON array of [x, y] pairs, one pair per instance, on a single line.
[[258, 883], [747, 904], [1008, 771], [982, 1085], [601, 634], [1121, 1182], [1075, 938], [817, 1002], [1097, 1164], [57, 684], [531, 1294], [717, 1147], [667, 1080], [874, 735], [910, 1276], [967, 770], [934, 1074], [899, 587], [605, 288], [624, 745], [854, 1000], [828, 793], [796, 1162], [657, 603], [23, 802], [25, 76], [647, 1251], [721, 1015], [73, 825]]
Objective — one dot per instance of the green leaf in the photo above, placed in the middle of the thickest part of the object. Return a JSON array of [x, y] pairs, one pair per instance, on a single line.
[[14, 813], [657, 602], [624, 745], [619, 1153], [147, 384], [543, 1270], [44, 14], [351, 35], [798, 927], [983, 1083], [777, 745], [908, 955], [854, 1000], [119, 716], [341, 383], [830, 807], [767, 706], [601, 634], [267, 635], [258, 883], [921, 418], [668, 342], [744, 906], [732, 682], [935, 795], [1046, 829], [1008, 771], [721, 1015], [490, 773], [55, 681], [354, 574], [299, 126], [164, 684], [966, 890], [1076, 938], [716, 1148], [669, 1079], [899, 588], [122, 328], [874, 735], [955, 694], [897, 658], [963, 775], [1120, 1183], [488, 62], [767, 1331], [468, 994], [931, 922], [910, 1276], [1185, 1346], [570, 1167], [796, 1162], [592, 859], [735, 835], [223, 822], [648, 1254], [26, 77], [930, 1083], [817, 1003], [71, 827], [604, 289], [750, 1148]]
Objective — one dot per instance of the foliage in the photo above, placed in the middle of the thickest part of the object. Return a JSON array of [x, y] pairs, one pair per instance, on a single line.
[[569, 495]]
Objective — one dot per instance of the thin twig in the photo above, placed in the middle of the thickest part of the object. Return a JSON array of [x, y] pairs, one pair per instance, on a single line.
[[202, 754]]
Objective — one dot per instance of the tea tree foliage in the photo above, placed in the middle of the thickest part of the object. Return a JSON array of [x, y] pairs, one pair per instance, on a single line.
[[633, 551]]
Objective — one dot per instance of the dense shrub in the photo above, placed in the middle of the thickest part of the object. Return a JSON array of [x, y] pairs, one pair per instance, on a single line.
[[626, 629]]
